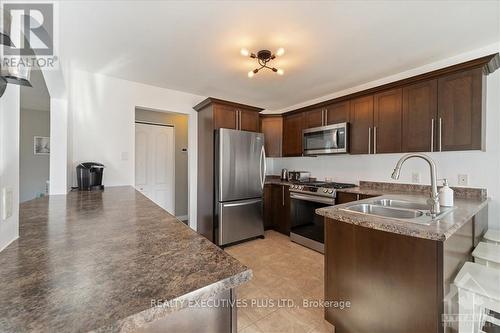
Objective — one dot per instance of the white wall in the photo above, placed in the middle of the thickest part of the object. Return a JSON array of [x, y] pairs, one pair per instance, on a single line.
[[180, 124], [59, 146], [103, 115], [9, 160], [33, 169], [483, 168]]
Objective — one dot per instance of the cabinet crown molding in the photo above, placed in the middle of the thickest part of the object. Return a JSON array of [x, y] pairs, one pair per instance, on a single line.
[[212, 100]]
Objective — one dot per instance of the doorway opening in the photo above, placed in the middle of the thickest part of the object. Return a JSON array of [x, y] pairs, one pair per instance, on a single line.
[[161, 159], [34, 140]]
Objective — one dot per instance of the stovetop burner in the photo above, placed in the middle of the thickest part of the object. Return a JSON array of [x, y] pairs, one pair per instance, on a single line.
[[328, 185], [338, 185], [325, 189]]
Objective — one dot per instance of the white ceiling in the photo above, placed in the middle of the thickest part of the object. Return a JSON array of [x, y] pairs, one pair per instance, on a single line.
[[330, 46]]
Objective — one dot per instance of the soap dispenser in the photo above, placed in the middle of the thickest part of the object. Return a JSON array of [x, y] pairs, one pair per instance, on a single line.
[[446, 195]]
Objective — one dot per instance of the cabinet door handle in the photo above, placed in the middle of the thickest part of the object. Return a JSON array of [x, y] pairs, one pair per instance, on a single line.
[[236, 120], [440, 134], [375, 139], [326, 117], [432, 134], [239, 117], [283, 196], [369, 140]]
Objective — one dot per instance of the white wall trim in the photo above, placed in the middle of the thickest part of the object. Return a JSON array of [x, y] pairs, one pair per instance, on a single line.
[[58, 174]]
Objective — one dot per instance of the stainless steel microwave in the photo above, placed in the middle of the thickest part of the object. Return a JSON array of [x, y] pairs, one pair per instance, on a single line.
[[331, 139]]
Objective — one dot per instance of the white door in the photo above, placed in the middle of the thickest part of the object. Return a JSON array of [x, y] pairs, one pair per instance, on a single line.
[[154, 164]]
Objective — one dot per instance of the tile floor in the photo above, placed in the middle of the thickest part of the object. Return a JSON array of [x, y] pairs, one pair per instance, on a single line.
[[282, 270]]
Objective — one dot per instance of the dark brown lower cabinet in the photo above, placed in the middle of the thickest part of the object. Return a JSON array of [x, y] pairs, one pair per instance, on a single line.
[[267, 212], [281, 204], [277, 208], [345, 197], [393, 283]]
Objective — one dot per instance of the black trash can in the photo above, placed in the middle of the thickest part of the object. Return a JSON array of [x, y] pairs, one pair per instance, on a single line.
[[89, 176]]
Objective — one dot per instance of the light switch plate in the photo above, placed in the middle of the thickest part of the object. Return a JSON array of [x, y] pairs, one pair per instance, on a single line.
[[415, 177], [463, 180], [7, 202]]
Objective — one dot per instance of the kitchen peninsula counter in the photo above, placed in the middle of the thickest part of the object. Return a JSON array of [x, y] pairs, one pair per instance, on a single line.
[[469, 202], [101, 261]]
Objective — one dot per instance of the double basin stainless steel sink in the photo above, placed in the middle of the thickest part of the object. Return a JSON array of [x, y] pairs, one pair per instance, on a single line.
[[399, 210]]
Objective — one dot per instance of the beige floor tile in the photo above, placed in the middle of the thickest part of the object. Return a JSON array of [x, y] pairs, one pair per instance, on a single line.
[[324, 327], [251, 329], [243, 320], [258, 310], [282, 270], [283, 321]]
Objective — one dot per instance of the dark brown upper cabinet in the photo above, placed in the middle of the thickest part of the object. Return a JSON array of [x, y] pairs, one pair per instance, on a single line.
[[419, 117], [387, 121], [460, 111], [293, 125], [337, 112], [440, 110], [314, 117], [231, 115], [327, 115], [272, 127], [248, 120], [361, 125], [225, 116]]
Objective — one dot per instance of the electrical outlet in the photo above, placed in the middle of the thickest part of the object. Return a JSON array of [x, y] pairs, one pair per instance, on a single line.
[[415, 177], [463, 180]]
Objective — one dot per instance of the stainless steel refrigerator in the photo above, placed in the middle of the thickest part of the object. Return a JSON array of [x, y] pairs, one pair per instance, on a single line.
[[240, 170]]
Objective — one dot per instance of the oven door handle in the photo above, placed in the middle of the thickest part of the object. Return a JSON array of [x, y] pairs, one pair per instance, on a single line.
[[312, 198]]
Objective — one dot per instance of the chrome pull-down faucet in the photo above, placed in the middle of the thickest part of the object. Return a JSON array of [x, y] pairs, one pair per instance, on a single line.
[[434, 199]]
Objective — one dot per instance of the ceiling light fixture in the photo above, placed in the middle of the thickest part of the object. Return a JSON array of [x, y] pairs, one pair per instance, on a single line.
[[263, 58]]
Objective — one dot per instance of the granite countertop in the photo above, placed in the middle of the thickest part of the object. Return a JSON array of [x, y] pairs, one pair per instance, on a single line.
[[275, 180], [468, 202], [95, 261]]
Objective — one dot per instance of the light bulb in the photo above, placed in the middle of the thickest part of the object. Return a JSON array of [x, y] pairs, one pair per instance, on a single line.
[[244, 52], [251, 74], [280, 52], [280, 71]]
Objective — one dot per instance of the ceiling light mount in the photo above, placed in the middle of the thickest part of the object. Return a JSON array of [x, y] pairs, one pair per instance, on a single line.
[[263, 58]]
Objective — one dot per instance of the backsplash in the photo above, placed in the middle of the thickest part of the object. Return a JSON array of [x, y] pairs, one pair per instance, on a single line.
[[480, 167]]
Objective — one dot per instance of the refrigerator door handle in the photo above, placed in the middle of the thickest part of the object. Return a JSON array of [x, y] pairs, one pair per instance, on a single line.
[[242, 203], [262, 167]]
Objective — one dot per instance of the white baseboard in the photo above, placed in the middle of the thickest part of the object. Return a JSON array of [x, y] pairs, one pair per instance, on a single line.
[[183, 217]]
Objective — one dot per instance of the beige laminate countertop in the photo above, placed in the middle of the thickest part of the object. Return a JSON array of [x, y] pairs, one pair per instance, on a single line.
[[468, 203], [95, 261], [440, 230]]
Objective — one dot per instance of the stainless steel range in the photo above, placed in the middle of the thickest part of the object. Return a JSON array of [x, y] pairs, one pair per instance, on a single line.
[[307, 228]]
